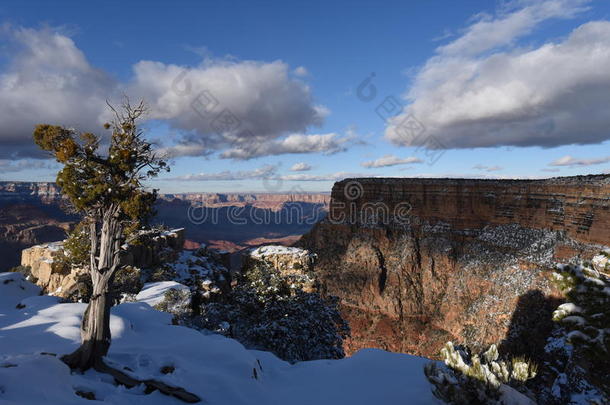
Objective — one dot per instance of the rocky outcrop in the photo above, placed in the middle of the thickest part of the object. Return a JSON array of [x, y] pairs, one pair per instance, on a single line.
[[418, 262], [288, 261], [51, 273]]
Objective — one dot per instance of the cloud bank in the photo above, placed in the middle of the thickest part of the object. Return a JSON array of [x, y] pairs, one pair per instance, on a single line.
[[47, 80], [247, 108], [482, 90]]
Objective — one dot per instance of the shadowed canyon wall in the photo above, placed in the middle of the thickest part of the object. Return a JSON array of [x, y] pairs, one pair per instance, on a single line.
[[418, 262]]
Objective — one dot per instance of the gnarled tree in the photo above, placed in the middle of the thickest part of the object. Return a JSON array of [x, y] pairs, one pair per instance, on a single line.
[[108, 190]]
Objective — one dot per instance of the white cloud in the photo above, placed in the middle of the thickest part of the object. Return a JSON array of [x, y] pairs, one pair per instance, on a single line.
[[48, 80], [300, 167], [267, 172], [488, 168], [321, 177], [183, 149], [216, 105], [570, 161], [222, 104], [260, 173], [488, 33], [390, 160], [295, 143], [482, 91]]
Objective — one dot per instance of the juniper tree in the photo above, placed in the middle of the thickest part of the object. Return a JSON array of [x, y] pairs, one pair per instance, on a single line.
[[107, 189]]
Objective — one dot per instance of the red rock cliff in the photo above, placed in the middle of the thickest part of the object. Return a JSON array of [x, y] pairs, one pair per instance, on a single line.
[[417, 262]]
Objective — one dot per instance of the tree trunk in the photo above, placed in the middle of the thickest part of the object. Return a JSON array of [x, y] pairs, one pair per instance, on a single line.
[[95, 327], [95, 330]]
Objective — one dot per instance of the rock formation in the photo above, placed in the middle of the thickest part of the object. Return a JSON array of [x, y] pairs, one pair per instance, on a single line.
[[288, 261], [418, 262], [52, 274]]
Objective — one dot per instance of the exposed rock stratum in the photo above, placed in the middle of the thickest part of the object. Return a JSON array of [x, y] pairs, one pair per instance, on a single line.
[[418, 262]]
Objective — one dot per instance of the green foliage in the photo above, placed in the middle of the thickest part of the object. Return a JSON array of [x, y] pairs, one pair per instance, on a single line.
[[478, 379], [77, 246], [93, 181], [127, 281]]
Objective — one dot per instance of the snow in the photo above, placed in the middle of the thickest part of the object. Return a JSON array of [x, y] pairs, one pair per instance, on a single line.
[[172, 232], [14, 288], [51, 246], [154, 293], [277, 250], [218, 369], [570, 308]]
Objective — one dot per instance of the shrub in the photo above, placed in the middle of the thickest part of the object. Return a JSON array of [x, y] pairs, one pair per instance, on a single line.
[[127, 282], [271, 312], [587, 314], [472, 379], [177, 303], [583, 327]]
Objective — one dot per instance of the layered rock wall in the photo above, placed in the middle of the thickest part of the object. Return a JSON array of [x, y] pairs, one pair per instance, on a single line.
[[417, 262]]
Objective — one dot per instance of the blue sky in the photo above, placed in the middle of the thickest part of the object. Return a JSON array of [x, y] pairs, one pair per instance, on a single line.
[[486, 89]]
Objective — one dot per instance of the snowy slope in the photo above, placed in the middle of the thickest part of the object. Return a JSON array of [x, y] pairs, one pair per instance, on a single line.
[[219, 370]]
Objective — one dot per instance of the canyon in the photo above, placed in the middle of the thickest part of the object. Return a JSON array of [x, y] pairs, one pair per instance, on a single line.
[[33, 213], [414, 262], [419, 262], [236, 221]]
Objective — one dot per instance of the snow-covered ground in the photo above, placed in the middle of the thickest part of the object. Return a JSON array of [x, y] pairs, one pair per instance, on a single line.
[[154, 293], [219, 370]]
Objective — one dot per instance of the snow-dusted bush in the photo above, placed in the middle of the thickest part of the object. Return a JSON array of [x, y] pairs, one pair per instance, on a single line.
[[178, 303], [587, 314], [579, 349], [473, 379], [271, 312]]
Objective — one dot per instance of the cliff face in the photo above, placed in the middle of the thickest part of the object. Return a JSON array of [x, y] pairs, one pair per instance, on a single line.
[[418, 262], [237, 221], [273, 201], [18, 191]]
